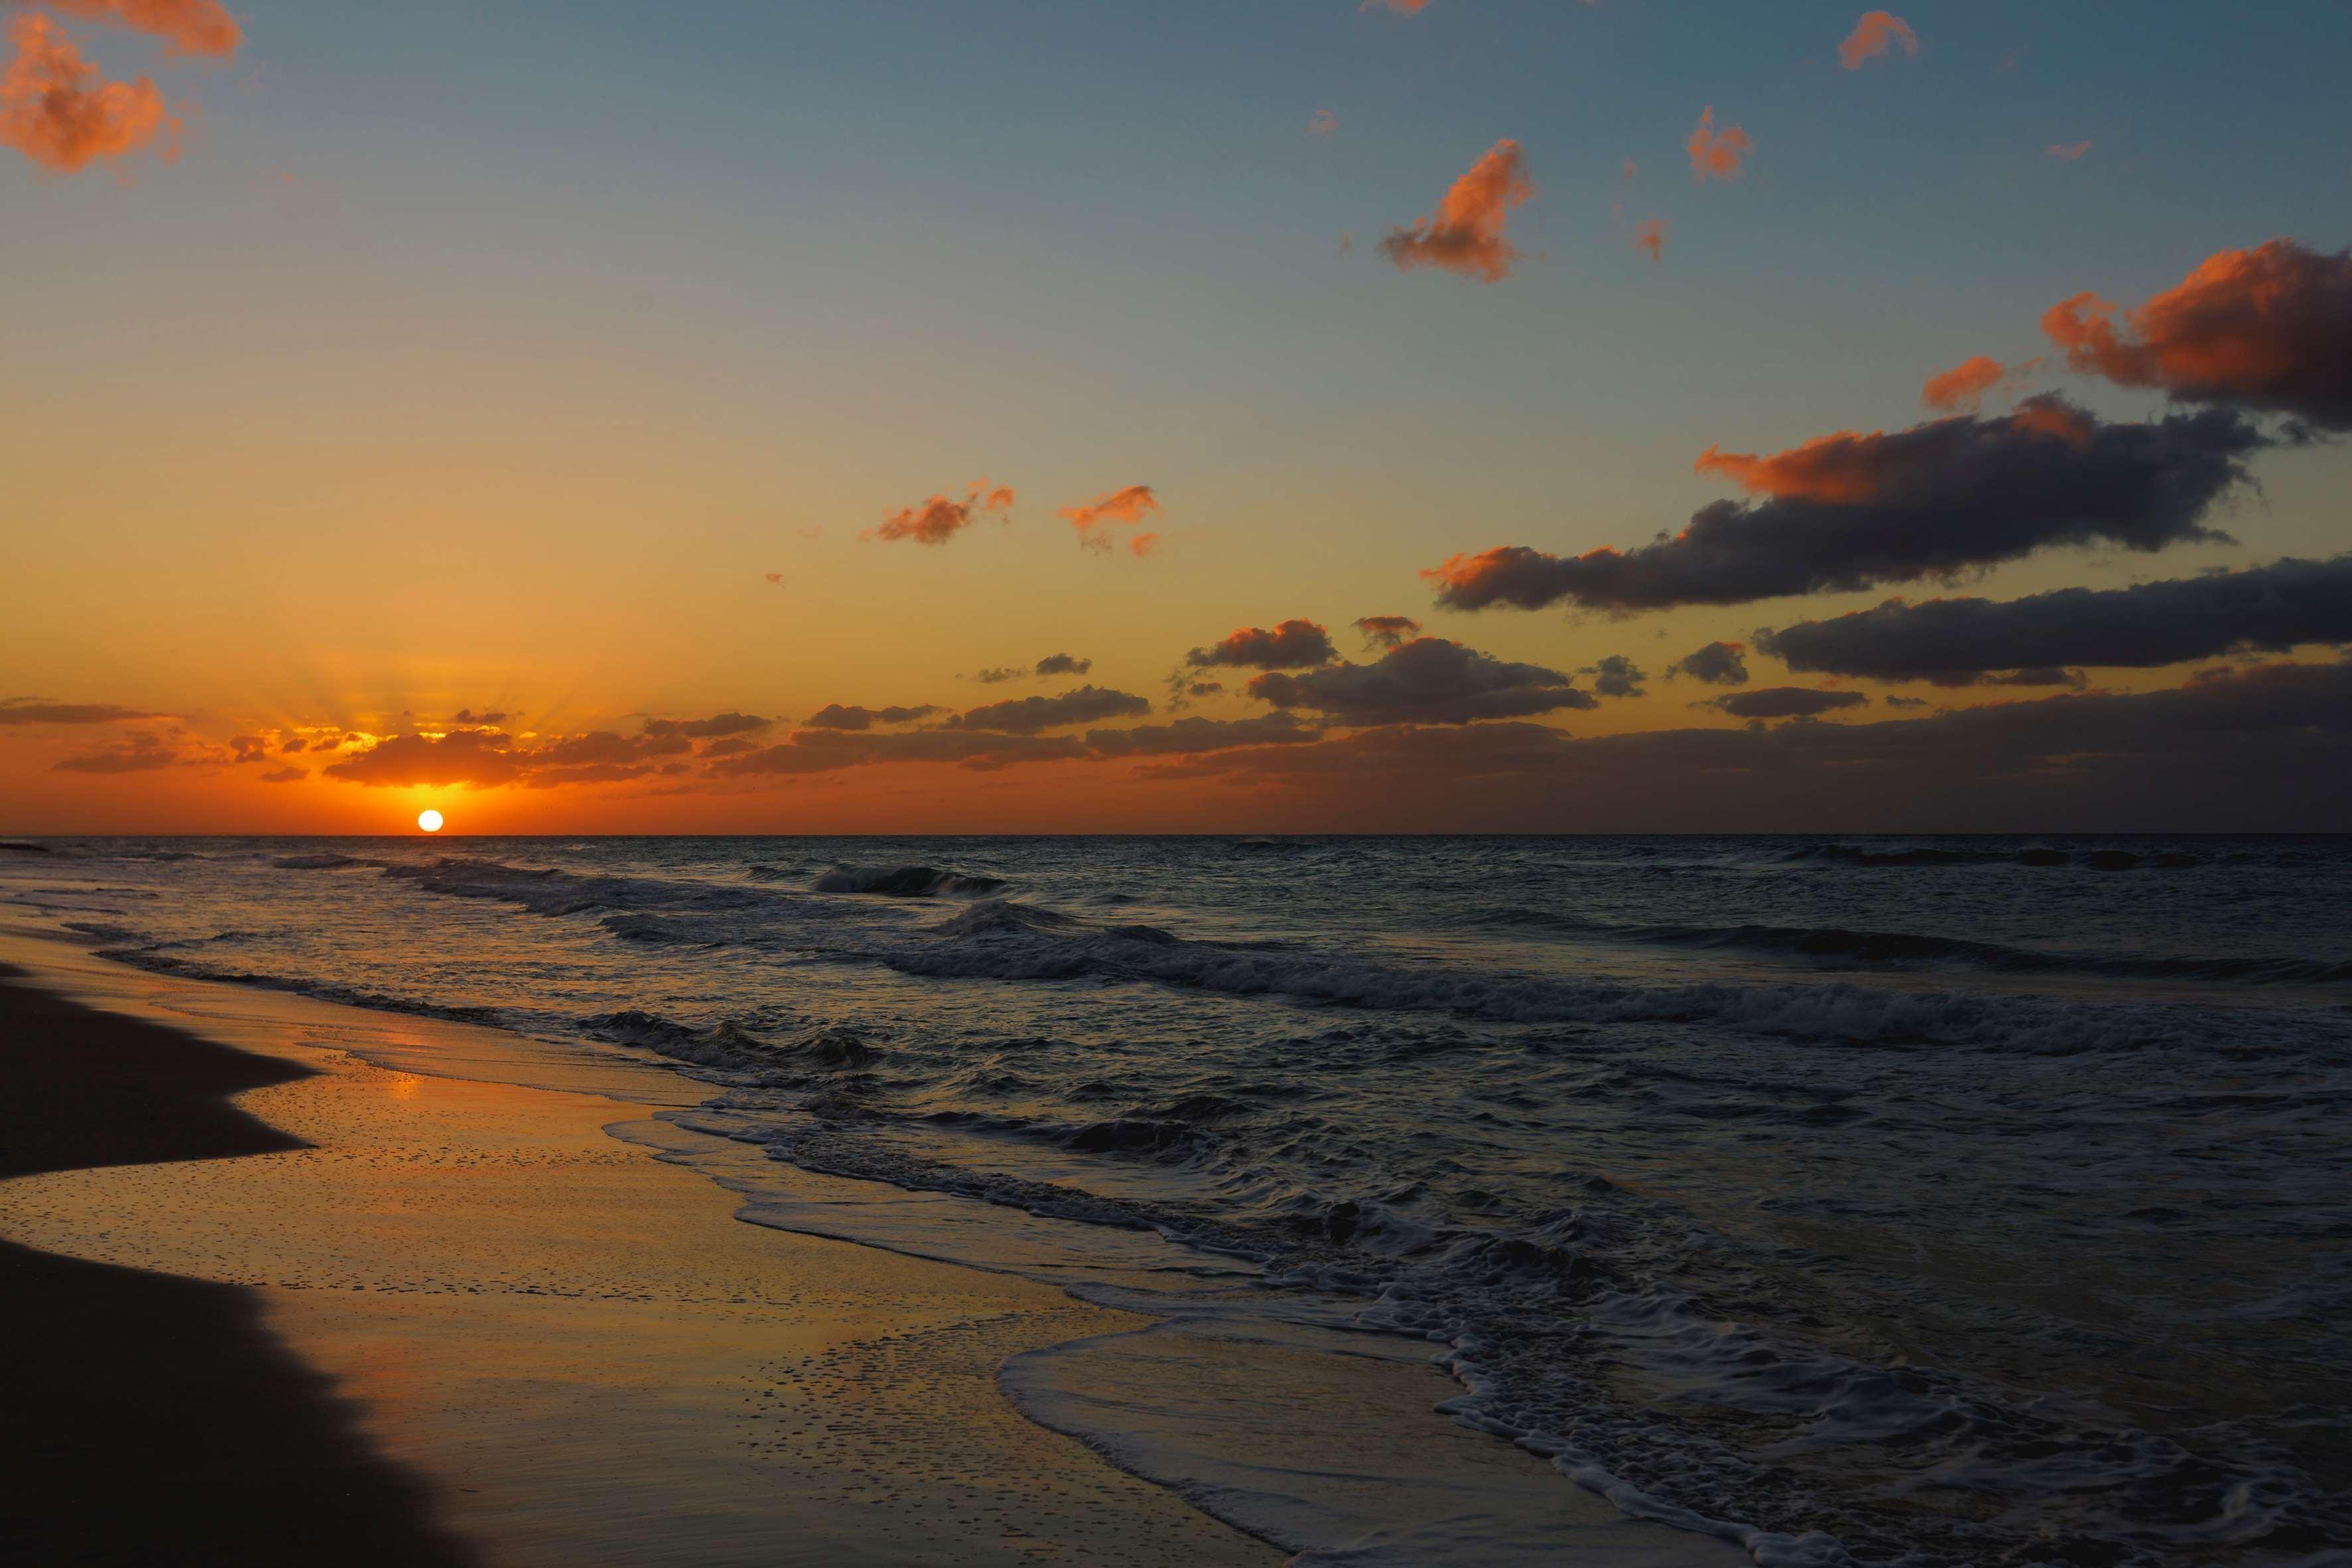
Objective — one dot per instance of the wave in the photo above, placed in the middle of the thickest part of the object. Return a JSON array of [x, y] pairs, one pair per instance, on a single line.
[[1896, 949], [14, 847], [322, 862], [2031, 855], [554, 892], [1000, 942], [904, 882]]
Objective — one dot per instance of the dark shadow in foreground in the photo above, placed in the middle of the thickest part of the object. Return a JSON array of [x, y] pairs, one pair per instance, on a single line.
[[154, 1419]]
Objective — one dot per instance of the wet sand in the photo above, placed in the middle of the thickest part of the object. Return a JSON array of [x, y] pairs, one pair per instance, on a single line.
[[380, 1316]]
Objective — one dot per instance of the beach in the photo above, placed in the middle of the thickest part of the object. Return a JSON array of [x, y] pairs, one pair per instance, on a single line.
[[370, 1316], [299, 1305]]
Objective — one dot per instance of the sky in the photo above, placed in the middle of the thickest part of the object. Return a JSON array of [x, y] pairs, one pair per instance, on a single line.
[[587, 416]]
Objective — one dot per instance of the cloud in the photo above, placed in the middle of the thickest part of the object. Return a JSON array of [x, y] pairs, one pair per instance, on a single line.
[[1465, 235], [1617, 676], [1143, 544], [1957, 642], [1874, 35], [293, 744], [1093, 519], [1650, 237], [1293, 644], [2067, 152], [137, 754], [939, 520], [249, 748], [1428, 681], [2267, 330], [1189, 737], [468, 716], [734, 748], [1783, 702], [1204, 687], [829, 751], [60, 113], [1322, 122], [1846, 512], [1029, 715], [480, 759], [1064, 664], [775, 579], [190, 27], [1388, 631], [2261, 748], [33, 710], [700, 729], [1000, 674], [834, 716], [1964, 386], [285, 775], [1401, 8], [1716, 153], [1716, 664]]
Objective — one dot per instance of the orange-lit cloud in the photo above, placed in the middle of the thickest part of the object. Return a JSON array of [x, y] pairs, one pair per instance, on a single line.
[[1717, 153], [2268, 329], [1401, 8], [1875, 35], [2065, 151], [939, 520], [285, 775], [1129, 507], [190, 27], [1964, 386], [1322, 122], [1650, 237], [1465, 235], [57, 110], [1143, 544]]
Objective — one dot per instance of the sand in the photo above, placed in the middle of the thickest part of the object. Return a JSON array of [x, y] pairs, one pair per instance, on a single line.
[[430, 1319]]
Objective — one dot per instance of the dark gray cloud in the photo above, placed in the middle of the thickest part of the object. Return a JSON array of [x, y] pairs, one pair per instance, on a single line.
[[1428, 680], [1617, 676], [1386, 632], [137, 754], [1293, 644], [841, 716], [1188, 737], [1000, 674], [1783, 702], [1848, 512], [1064, 664], [1030, 715], [2249, 749], [1955, 642], [830, 750], [468, 716], [1716, 664], [33, 710], [705, 729]]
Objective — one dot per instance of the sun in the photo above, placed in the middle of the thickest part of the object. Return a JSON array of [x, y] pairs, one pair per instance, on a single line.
[[430, 820]]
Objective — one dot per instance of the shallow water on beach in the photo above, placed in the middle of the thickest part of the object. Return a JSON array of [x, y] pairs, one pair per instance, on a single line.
[[1923, 1201]]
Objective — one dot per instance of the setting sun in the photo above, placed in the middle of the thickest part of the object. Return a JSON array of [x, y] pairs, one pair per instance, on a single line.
[[430, 820]]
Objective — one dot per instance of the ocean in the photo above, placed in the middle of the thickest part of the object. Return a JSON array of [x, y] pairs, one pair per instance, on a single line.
[[1891, 1201]]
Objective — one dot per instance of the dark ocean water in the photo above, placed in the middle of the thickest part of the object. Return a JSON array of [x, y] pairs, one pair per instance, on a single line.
[[1889, 1201]]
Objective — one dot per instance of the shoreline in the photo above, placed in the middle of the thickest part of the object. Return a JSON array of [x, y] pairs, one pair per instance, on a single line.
[[542, 1345]]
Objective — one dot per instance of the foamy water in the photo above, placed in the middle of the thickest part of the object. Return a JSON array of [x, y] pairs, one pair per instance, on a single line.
[[1920, 1201]]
